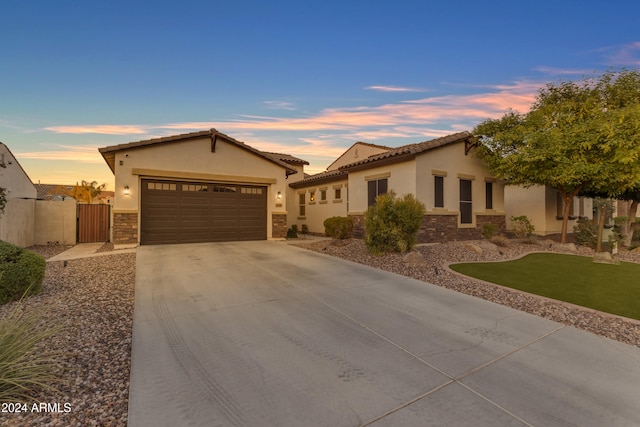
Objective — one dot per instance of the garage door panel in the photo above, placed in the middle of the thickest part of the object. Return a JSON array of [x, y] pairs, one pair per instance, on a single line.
[[188, 212]]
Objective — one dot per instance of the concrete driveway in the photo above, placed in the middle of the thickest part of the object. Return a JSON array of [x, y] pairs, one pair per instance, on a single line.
[[266, 334]]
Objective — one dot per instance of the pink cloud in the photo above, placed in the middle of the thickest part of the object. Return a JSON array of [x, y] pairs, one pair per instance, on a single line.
[[432, 116], [82, 154]]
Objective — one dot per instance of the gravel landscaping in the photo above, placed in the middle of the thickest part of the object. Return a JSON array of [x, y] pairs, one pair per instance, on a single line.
[[435, 270], [93, 299]]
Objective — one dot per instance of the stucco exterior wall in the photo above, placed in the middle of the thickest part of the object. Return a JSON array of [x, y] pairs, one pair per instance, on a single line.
[[540, 205], [451, 162], [356, 152], [13, 177], [17, 222], [317, 211], [194, 160], [55, 222], [401, 178]]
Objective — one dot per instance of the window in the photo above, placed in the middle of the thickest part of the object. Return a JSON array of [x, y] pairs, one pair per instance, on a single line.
[[224, 189], [337, 194], [489, 194], [161, 186], [301, 202], [323, 195], [466, 206], [250, 190], [194, 187], [376, 187], [312, 196], [438, 191], [560, 207]]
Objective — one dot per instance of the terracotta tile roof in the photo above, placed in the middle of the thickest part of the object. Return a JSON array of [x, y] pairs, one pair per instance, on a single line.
[[407, 152], [287, 158], [49, 191], [109, 152], [320, 178]]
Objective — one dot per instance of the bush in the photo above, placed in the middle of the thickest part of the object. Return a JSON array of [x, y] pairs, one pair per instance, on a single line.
[[586, 232], [392, 224], [21, 272], [489, 230], [292, 233], [521, 226], [23, 366], [339, 227], [500, 241]]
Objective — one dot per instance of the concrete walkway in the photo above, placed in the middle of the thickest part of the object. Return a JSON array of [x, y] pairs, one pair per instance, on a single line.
[[86, 250], [266, 334]]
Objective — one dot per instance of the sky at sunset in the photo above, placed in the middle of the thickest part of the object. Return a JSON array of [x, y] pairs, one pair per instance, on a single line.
[[307, 78]]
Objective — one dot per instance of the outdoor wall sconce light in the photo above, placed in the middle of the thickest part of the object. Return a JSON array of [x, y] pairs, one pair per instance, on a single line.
[[126, 190], [279, 196]]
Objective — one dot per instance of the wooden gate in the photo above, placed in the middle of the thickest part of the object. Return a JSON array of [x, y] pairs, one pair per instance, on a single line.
[[93, 223]]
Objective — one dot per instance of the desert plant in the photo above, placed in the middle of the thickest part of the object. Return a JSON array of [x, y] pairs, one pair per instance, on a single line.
[[521, 226], [392, 224], [500, 241], [339, 227], [24, 367], [292, 233], [21, 272], [489, 230], [586, 232]]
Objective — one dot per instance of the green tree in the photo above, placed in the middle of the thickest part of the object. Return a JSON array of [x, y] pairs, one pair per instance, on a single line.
[[578, 137]]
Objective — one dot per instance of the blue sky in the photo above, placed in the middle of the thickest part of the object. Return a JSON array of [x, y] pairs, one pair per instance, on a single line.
[[308, 78]]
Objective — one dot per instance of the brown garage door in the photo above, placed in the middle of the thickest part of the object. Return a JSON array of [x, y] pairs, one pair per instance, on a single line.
[[191, 212]]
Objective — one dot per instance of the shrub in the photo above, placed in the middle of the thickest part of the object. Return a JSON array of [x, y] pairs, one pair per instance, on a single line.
[[489, 230], [292, 233], [23, 366], [500, 241], [339, 227], [521, 226], [586, 232], [391, 225], [21, 272]]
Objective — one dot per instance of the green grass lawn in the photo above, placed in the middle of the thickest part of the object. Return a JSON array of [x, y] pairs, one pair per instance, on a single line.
[[576, 279]]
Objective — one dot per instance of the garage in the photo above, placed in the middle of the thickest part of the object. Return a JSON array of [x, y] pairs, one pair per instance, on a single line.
[[174, 211]]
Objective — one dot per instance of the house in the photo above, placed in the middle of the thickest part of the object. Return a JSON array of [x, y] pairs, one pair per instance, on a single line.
[[198, 187], [57, 192], [326, 193], [544, 207], [61, 192], [16, 223], [459, 193]]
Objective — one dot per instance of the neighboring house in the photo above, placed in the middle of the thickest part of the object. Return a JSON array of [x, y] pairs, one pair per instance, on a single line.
[[54, 192], [459, 193], [544, 207], [198, 187], [17, 222], [61, 192]]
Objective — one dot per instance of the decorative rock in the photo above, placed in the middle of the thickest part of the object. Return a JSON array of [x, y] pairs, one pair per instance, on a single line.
[[487, 246], [414, 259], [604, 258], [474, 248], [569, 247]]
